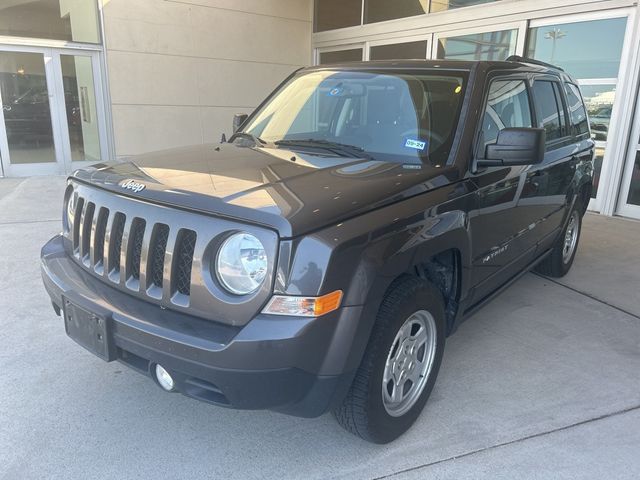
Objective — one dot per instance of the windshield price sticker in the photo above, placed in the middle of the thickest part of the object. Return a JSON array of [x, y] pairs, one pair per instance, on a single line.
[[416, 144]]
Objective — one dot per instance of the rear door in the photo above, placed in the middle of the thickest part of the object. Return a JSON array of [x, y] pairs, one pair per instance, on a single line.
[[544, 197]]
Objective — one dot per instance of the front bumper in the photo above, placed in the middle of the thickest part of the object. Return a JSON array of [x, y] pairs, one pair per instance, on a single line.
[[298, 366]]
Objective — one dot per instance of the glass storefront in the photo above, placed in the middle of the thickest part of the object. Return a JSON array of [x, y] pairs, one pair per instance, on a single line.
[[594, 60], [479, 46], [338, 56], [25, 107], [333, 14], [589, 42], [406, 50], [52, 116], [633, 196], [73, 21]]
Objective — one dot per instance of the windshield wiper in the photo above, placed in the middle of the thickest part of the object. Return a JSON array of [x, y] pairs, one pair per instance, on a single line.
[[248, 136], [344, 148]]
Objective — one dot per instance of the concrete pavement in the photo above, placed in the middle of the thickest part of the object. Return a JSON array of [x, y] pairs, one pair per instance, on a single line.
[[542, 383]]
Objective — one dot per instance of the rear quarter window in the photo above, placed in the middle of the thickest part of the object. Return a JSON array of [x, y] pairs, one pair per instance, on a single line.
[[577, 111]]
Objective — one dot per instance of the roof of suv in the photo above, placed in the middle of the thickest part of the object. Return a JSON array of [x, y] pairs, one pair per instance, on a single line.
[[509, 64]]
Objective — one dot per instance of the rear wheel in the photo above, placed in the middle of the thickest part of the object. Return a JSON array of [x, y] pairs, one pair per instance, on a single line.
[[400, 364], [559, 262]]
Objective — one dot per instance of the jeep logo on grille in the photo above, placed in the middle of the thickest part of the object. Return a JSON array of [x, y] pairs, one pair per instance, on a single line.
[[133, 185]]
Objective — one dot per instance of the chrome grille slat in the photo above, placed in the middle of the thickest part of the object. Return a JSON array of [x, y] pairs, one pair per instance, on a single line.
[[144, 257], [124, 252], [159, 254], [77, 224], [99, 239]]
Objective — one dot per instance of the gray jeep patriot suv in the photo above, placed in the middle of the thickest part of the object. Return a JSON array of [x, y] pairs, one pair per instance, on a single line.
[[318, 259]]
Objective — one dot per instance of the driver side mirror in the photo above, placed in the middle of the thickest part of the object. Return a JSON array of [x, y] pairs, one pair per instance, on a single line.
[[238, 120], [515, 147]]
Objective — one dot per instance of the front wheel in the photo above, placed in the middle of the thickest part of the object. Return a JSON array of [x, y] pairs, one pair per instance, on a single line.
[[400, 364]]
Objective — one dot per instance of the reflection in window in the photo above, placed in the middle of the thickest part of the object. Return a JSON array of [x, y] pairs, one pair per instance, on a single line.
[[479, 46], [331, 14], [80, 103], [577, 113], [25, 105], [597, 168], [584, 49], [74, 21], [399, 51], [507, 107], [599, 101], [338, 56], [440, 5], [380, 10]]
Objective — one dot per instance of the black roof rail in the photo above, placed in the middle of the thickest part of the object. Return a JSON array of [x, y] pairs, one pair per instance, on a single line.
[[518, 58]]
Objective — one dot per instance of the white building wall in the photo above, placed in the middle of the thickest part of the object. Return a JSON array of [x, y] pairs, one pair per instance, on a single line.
[[179, 70]]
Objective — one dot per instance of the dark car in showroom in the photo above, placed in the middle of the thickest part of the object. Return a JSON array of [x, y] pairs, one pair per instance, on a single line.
[[318, 260]]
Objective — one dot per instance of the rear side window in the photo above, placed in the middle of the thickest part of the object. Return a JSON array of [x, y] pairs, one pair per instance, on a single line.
[[577, 112], [549, 110], [507, 107]]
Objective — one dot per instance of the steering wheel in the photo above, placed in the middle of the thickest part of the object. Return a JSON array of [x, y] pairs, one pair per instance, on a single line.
[[422, 133]]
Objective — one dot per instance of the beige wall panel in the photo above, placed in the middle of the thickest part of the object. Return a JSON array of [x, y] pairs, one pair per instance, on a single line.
[[138, 78], [178, 71], [140, 129], [140, 36], [241, 36], [244, 84], [298, 9]]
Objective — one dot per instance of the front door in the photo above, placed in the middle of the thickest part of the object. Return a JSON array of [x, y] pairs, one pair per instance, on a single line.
[[51, 120], [502, 238]]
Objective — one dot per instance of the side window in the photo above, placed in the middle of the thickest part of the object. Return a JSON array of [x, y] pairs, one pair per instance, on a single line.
[[549, 110], [577, 112], [507, 106]]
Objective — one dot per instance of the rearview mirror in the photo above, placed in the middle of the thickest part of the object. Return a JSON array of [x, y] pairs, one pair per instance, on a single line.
[[514, 147], [238, 120]]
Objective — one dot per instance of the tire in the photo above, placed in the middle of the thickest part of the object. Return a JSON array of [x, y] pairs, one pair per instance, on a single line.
[[410, 303], [559, 262]]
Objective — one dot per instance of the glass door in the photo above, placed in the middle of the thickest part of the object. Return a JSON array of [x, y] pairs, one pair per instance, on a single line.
[[629, 201], [590, 48], [27, 133], [51, 120]]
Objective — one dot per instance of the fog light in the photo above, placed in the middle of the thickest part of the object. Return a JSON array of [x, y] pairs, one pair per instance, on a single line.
[[165, 380]]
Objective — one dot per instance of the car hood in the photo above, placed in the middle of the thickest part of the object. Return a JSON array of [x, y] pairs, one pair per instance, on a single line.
[[291, 192]]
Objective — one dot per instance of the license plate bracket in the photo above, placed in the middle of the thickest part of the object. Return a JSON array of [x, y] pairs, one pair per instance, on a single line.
[[88, 329]]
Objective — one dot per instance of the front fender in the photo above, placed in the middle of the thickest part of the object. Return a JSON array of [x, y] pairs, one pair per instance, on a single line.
[[362, 260]]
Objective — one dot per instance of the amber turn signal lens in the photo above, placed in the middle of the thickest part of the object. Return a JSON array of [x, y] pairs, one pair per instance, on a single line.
[[327, 303], [304, 306]]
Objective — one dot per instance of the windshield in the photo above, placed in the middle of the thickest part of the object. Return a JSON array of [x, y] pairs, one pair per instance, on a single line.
[[404, 117]]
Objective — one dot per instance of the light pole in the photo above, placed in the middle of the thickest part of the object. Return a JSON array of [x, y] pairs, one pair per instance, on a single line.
[[554, 35]]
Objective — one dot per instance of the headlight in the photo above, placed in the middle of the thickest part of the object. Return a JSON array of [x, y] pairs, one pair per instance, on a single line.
[[241, 264]]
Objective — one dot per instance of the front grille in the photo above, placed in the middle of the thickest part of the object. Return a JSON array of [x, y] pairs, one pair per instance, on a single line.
[[99, 229], [160, 254]]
